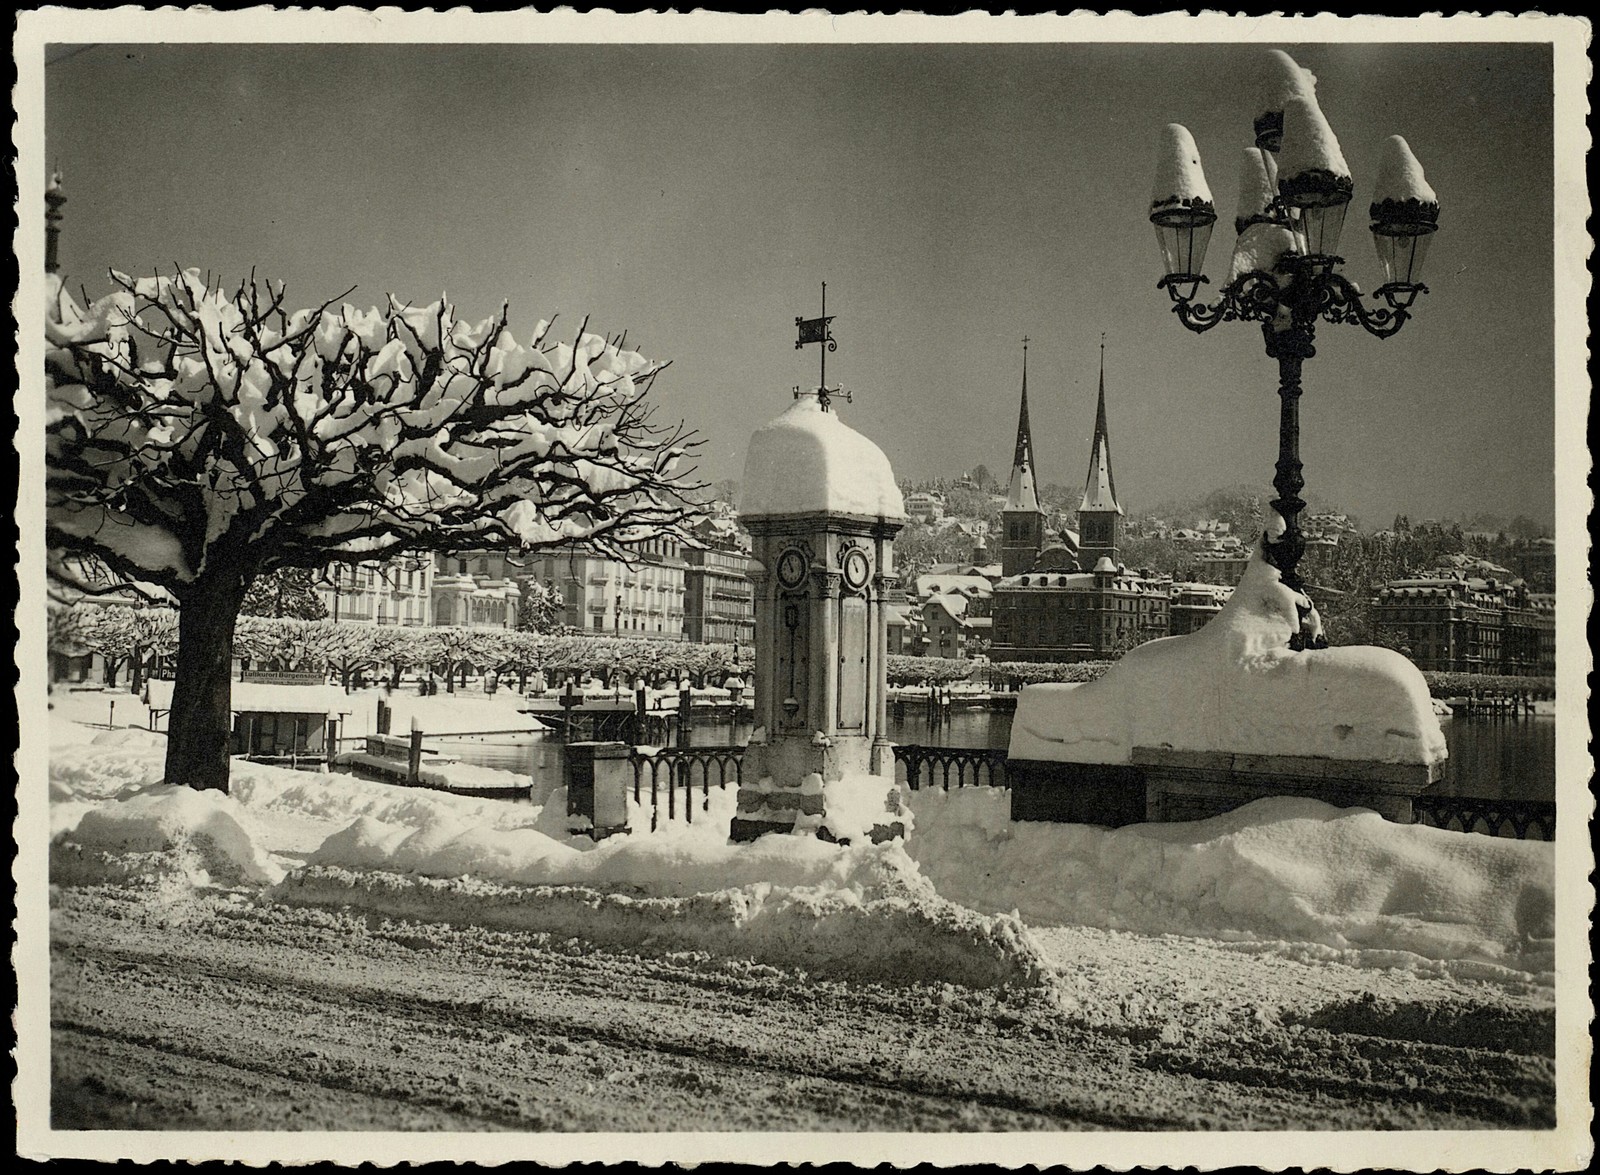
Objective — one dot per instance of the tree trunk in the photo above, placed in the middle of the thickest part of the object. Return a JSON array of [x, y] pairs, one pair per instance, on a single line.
[[200, 726]]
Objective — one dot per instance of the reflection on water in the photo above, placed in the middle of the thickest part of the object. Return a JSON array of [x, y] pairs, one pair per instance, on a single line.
[[1490, 758], [1500, 758]]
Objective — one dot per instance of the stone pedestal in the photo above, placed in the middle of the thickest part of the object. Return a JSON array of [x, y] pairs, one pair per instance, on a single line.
[[792, 784], [1192, 785], [598, 778]]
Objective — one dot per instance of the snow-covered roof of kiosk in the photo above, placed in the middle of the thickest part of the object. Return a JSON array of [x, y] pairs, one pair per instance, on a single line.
[[267, 698], [808, 461]]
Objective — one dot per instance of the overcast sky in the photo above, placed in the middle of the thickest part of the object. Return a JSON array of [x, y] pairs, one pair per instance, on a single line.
[[953, 197]]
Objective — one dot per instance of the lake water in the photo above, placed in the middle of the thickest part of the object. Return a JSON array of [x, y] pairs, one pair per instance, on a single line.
[[1489, 758]]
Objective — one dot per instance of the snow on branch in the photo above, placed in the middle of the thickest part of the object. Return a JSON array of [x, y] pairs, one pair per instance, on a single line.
[[192, 431]]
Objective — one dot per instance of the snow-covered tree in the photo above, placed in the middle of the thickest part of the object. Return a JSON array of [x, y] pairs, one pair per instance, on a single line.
[[197, 439], [282, 642], [539, 606], [134, 635], [457, 649], [287, 591], [402, 648], [349, 648]]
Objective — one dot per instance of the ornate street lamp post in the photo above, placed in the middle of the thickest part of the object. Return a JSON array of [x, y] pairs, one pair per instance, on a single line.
[[1294, 189]]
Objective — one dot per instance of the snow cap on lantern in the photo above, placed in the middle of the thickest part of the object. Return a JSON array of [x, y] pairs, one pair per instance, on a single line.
[[1180, 180], [1263, 235], [1400, 178], [1181, 207], [1310, 148], [1282, 78], [1258, 189], [809, 461], [1405, 212], [1313, 176]]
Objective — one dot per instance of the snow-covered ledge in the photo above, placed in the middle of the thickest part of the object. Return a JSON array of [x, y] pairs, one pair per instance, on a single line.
[[1235, 689]]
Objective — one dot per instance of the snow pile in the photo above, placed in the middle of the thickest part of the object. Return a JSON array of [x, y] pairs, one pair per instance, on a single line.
[[165, 831], [1274, 870], [859, 802], [861, 911], [338, 799], [869, 916], [1180, 180], [1235, 685], [808, 460], [678, 859], [110, 763], [1403, 200]]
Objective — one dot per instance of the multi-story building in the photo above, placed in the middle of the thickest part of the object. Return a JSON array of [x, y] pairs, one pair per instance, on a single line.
[[1192, 604], [477, 589], [927, 505], [1055, 603], [956, 611], [391, 591], [719, 598], [643, 596], [1452, 623]]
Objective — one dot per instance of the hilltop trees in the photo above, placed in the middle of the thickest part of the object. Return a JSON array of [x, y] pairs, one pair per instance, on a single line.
[[198, 438]]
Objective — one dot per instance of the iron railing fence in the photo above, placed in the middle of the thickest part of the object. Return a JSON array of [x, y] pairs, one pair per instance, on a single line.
[[669, 770], [1523, 819], [953, 766]]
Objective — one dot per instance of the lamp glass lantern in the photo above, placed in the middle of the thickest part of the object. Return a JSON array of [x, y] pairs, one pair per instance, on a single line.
[[1401, 230], [1320, 199], [1183, 231]]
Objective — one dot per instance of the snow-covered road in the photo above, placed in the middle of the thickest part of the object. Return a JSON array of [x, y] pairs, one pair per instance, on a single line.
[[209, 1010]]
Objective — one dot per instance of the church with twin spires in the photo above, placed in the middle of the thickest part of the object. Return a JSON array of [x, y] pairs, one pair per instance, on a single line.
[[1068, 597]]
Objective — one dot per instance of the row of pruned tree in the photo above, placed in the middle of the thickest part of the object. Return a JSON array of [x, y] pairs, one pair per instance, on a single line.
[[132, 638], [1000, 674], [349, 652]]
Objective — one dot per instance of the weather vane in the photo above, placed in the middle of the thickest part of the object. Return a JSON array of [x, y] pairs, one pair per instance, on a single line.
[[819, 331]]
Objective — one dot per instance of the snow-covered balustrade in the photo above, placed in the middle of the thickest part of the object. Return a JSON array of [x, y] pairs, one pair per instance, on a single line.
[[1190, 726]]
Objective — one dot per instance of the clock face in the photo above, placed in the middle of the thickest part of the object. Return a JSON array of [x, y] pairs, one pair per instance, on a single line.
[[856, 568], [791, 569]]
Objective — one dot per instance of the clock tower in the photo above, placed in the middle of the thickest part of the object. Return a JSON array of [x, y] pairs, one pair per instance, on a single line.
[[822, 508]]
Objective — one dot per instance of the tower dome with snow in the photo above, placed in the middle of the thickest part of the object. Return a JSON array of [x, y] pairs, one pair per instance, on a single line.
[[808, 461]]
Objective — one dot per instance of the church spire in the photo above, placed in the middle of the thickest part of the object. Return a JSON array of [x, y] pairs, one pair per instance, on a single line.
[[1022, 494], [1022, 520], [1100, 489]]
